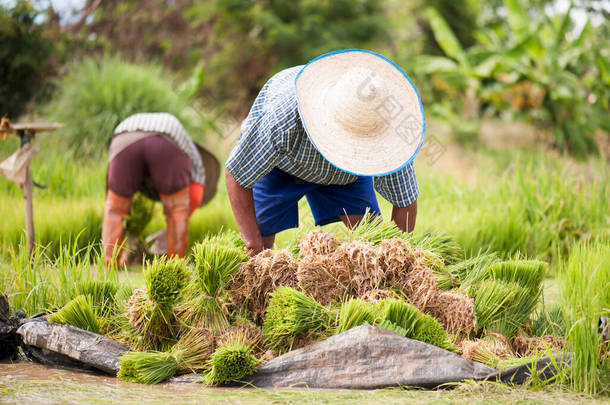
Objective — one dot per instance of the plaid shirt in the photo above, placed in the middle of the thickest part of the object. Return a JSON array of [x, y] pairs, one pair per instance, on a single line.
[[273, 136]]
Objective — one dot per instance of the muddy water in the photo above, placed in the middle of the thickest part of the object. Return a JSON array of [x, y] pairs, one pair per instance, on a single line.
[[25, 383]]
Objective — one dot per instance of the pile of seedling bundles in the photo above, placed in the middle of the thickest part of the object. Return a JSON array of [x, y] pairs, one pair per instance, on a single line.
[[221, 313]]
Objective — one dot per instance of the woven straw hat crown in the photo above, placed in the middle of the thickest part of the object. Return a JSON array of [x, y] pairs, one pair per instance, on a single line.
[[361, 111]]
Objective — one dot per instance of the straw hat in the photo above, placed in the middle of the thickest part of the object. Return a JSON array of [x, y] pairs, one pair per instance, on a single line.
[[361, 111]]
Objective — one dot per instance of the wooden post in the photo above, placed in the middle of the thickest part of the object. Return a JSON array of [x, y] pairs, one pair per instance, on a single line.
[[29, 210]]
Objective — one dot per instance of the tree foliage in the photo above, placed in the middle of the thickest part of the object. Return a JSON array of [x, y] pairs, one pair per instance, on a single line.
[[25, 49]]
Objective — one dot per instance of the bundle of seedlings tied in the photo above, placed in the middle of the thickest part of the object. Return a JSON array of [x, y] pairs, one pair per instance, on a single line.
[[373, 260], [189, 354], [215, 262], [78, 312], [151, 311]]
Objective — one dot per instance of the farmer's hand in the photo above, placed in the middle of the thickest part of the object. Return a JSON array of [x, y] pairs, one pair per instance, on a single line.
[[254, 247]]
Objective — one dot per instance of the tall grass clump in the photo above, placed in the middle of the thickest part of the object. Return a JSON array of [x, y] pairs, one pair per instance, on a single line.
[[585, 295], [356, 312], [98, 94]]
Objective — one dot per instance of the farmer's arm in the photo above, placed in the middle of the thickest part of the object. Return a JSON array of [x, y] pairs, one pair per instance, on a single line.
[[242, 203], [401, 189]]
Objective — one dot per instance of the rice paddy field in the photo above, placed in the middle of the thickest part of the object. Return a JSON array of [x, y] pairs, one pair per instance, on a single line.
[[525, 224]]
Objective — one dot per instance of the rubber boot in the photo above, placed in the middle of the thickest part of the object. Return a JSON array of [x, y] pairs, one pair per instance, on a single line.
[[176, 209], [117, 207]]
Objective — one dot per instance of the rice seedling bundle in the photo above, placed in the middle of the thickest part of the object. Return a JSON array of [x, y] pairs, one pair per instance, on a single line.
[[78, 312], [356, 312], [190, 354], [324, 277], [421, 286], [527, 273], [374, 229], [402, 314], [140, 214], [490, 350], [504, 306], [102, 293], [395, 257], [214, 265], [377, 295], [291, 313], [366, 274], [151, 312], [439, 245], [231, 362], [455, 311], [466, 273], [318, 242], [429, 330], [252, 283], [246, 331], [537, 346]]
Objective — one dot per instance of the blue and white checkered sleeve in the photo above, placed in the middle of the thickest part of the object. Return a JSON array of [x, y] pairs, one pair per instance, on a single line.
[[252, 158], [399, 188]]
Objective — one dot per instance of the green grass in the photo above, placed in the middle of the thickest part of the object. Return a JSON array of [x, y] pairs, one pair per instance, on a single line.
[[585, 295]]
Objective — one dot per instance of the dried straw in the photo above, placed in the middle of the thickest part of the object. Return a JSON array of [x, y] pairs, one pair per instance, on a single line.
[[318, 242], [262, 274], [421, 286], [395, 257], [490, 351], [366, 274], [536, 346], [246, 331], [374, 296], [325, 278], [455, 311]]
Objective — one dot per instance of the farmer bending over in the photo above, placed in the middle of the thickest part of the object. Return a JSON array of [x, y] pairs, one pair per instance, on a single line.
[[152, 152], [346, 124]]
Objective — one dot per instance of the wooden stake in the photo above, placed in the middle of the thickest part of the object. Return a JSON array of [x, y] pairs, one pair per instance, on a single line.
[[29, 210]]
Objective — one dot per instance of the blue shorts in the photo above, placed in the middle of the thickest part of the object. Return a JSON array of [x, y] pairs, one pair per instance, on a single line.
[[276, 198]]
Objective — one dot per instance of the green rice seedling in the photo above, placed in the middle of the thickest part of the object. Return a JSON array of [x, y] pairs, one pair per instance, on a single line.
[[428, 329], [527, 273], [231, 362], [142, 210], [491, 299], [147, 367], [401, 313], [585, 295], [374, 229], [191, 353], [465, 273], [165, 278], [291, 313], [503, 306], [215, 262], [78, 312], [151, 312], [392, 327], [356, 312], [550, 322], [438, 243], [404, 318], [102, 293]]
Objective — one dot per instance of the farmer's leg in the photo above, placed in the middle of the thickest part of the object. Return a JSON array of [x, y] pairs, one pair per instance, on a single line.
[[347, 203], [276, 198], [170, 171], [125, 174]]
